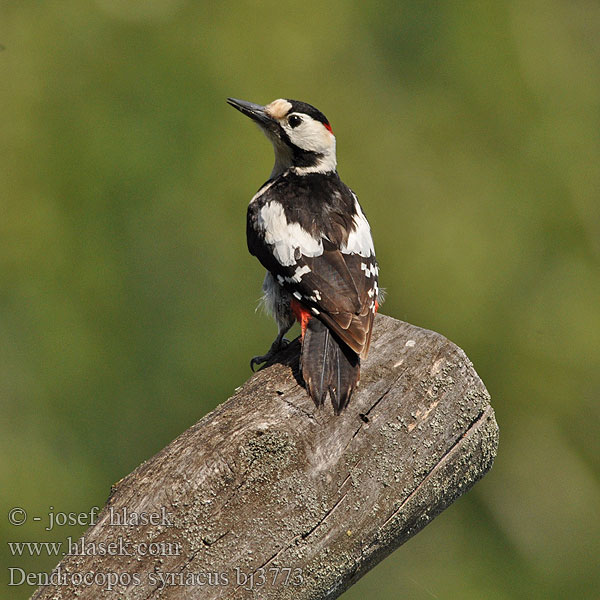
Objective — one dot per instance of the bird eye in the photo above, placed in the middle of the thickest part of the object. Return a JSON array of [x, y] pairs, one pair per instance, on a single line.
[[294, 121]]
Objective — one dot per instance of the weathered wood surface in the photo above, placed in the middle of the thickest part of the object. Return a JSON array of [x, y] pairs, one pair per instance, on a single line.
[[268, 482]]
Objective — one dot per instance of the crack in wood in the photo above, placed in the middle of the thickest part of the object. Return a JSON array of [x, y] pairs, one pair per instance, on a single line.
[[317, 489], [322, 520], [437, 466]]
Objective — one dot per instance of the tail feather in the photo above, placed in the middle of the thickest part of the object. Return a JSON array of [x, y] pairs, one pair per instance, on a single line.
[[328, 366]]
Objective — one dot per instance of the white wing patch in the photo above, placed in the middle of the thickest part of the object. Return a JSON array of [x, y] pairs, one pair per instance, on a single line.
[[370, 270], [286, 237], [299, 273], [359, 241]]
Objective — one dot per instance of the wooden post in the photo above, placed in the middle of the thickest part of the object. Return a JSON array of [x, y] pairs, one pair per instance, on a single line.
[[268, 497]]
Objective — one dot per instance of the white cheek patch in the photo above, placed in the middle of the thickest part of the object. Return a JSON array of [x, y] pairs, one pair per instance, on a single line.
[[286, 237], [359, 241], [278, 108], [312, 135]]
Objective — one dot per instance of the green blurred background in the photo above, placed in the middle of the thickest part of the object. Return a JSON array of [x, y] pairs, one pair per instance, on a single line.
[[471, 133]]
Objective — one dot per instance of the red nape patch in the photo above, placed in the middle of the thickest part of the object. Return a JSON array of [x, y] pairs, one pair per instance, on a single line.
[[301, 314], [328, 127], [376, 306]]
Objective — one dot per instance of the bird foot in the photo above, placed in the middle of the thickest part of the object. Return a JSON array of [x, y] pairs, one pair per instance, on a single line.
[[276, 347]]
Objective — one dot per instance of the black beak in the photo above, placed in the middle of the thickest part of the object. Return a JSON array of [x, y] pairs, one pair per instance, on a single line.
[[255, 111]]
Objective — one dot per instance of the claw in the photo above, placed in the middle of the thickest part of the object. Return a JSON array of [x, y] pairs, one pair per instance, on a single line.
[[276, 347], [257, 360]]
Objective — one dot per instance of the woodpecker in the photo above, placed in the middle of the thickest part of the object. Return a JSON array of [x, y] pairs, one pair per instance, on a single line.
[[308, 230]]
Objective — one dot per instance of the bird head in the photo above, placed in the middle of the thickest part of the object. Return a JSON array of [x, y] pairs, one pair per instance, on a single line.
[[301, 135]]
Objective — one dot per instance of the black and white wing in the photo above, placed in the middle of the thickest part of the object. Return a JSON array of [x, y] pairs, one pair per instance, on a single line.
[[329, 266]]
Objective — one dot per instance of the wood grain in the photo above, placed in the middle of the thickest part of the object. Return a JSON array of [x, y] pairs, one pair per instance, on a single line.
[[266, 487]]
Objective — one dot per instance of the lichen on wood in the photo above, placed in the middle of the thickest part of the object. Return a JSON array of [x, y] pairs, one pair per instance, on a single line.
[[269, 497]]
